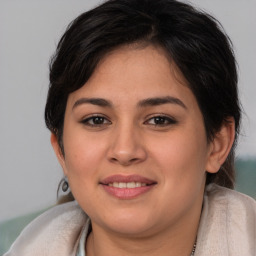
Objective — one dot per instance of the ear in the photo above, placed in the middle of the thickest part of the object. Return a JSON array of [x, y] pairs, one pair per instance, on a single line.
[[58, 152], [221, 146]]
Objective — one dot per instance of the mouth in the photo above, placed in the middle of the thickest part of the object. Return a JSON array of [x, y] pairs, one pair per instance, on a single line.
[[127, 187], [130, 181], [132, 184]]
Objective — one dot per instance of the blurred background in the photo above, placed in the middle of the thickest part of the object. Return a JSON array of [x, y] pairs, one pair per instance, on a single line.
[[29, 32]]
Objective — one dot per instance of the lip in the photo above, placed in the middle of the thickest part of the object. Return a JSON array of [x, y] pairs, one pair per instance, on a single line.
[[128, 178], [127, 193]]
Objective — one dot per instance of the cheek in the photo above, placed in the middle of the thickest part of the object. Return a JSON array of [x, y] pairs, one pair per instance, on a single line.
[[82, 161], [181, 156], [82, 152]]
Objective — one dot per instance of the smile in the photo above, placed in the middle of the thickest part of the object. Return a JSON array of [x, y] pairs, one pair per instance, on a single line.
[[127, 187]]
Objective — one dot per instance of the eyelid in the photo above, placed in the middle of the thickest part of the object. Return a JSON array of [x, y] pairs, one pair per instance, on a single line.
[[85, 120], [171, 119]]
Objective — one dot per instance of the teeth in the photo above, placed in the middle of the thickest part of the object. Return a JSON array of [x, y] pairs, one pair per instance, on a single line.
[[130, 185], [127, 185]]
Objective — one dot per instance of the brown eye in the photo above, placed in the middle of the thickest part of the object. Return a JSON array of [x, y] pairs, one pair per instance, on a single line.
[[161, 121], [95, 121]]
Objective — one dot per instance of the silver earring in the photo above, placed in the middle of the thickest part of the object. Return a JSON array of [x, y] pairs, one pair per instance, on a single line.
[[65, 185]]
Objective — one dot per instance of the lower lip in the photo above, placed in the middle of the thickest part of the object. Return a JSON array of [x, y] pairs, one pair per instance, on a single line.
[[127, 193]]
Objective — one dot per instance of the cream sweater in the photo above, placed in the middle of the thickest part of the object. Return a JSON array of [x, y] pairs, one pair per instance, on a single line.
[[227, 228]]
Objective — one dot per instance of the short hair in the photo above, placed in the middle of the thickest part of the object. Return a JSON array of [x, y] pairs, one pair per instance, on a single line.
[[193, 39]]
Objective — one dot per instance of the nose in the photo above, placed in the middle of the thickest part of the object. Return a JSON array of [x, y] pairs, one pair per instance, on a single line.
[[127, 146]]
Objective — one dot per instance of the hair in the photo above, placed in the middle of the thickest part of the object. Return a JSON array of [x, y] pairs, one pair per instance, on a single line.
[[194, 40]]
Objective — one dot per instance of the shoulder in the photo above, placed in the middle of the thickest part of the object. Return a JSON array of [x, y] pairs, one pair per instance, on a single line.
[[55, 232], [230, 200], [228, 223]]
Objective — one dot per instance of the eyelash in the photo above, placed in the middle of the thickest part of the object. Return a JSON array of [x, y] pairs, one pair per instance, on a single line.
[[94, 119], [159, 121]]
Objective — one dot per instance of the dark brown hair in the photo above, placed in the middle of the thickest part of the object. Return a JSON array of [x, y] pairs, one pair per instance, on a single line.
[[194, 40]]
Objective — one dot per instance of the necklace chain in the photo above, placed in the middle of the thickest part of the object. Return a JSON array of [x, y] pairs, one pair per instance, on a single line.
[[193, 250]]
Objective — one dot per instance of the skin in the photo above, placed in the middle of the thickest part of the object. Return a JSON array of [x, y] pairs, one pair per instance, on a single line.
[[129, 139]]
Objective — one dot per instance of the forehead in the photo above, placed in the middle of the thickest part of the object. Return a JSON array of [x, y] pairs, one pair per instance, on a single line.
[[140, 58], [135, 72]]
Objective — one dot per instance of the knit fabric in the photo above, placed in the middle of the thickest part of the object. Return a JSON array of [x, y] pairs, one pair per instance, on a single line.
[[227, 228]]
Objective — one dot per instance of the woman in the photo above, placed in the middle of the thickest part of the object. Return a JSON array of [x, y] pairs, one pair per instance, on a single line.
[[144, 114]]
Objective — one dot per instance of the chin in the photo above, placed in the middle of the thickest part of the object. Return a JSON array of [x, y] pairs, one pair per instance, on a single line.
[[133, 224], [133, 229]]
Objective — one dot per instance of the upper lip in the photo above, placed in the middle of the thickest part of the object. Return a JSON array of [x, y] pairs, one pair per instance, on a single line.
[[126, 179]]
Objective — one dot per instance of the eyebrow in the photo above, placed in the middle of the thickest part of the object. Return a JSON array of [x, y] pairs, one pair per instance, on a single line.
[[156, 101], [94, 101], [160, 101]]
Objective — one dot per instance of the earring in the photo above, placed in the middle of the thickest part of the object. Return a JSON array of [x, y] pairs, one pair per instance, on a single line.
[[65, 185]]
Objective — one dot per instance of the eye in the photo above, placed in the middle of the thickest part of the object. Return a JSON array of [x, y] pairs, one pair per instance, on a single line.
[[95, 121], [161, 121]]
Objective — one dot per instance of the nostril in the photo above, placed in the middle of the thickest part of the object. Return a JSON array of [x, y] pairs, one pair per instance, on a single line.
[[124, 161], [126, 153], [134, 159]]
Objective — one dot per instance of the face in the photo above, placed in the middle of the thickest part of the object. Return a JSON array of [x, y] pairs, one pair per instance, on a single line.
[[135, 144]]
